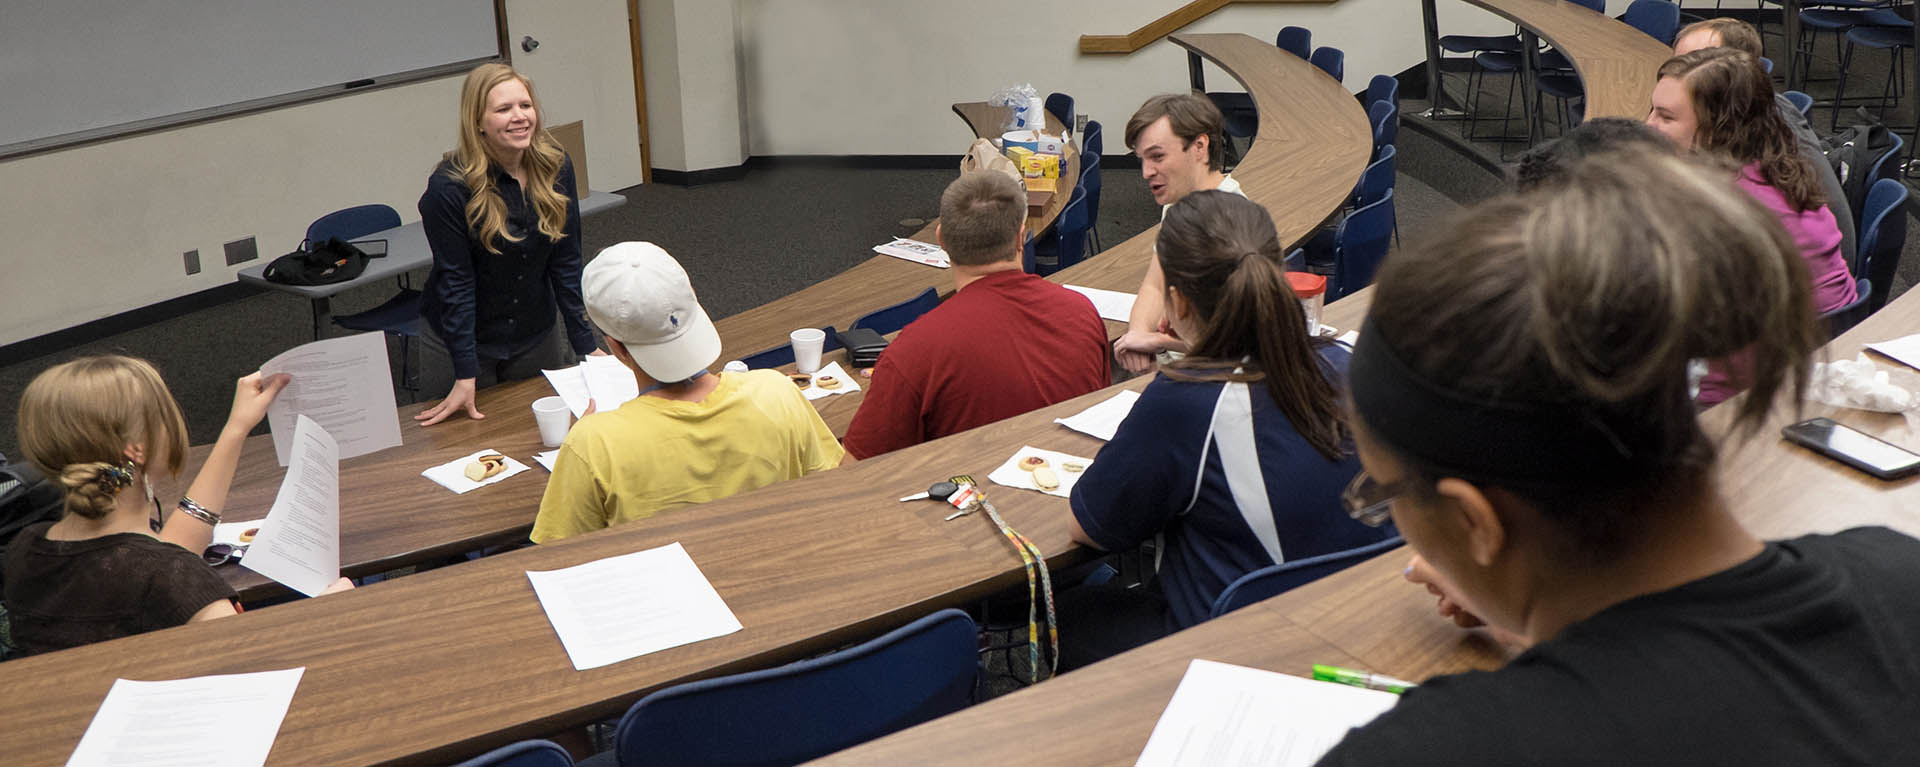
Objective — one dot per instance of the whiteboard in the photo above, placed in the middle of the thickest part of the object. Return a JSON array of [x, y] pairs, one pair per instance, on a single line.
[[80, 70]]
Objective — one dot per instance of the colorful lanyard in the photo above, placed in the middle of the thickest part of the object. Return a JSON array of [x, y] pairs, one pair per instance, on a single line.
[[1032, 560]]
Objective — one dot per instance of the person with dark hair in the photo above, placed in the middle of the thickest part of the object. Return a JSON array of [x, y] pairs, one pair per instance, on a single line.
[[1235, 454], [1719, 102], [1006, 342], [1551, 162], [1725, 32], [1521, 407], [1180, 141]]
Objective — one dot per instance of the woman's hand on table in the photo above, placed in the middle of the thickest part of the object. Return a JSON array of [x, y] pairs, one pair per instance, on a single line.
[[462, 397]]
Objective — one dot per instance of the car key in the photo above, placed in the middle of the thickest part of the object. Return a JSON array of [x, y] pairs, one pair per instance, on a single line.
[[939, 490]]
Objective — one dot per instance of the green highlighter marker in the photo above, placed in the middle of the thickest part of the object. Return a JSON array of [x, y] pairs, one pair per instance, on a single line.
[[1355, 678]]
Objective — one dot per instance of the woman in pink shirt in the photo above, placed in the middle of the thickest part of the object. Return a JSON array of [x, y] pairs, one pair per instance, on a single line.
[[1719, 102]]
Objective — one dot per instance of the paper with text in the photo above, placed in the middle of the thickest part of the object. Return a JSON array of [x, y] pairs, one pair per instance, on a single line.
[[1104, 419], [1223, 715], [617, 608], [299, 543], [915, 251], [1112, 304], [1905, 349], [599, 378], [571, 385], [206, 721], [345, 385]]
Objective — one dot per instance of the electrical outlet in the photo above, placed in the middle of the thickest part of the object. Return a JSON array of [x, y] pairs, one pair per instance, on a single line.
[[192, 257], [241, 251]]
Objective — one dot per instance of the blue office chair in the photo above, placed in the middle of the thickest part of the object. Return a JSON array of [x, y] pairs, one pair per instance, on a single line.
[[1090, 180], [1274, 580], [1360, 244], [1060, 105], [1332, 61], [782, 355], [811, 708], [1660, 19], [1886, 166], [1840, 319], [526, 753], [1295, 40], [1385, 118], [1883, 236], [1069, 237], [895, 317], [1092, 142], [398, 316], [1376, 182], [1800, 101], [1382, 88]]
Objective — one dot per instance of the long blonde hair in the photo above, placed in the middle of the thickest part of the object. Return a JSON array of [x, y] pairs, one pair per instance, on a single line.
[[472, 164], [77, 419]]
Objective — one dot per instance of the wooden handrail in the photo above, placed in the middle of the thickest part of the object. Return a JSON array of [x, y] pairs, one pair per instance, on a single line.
[[1167, 25]]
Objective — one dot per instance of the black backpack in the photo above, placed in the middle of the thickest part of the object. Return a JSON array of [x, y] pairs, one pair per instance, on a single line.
[[1852, 152], [323, 262], [26, 498]]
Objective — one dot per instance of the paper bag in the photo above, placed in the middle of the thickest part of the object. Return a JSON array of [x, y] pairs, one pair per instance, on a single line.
[[983, 156]]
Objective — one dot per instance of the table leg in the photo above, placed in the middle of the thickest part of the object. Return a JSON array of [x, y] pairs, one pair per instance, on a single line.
[[1529, 94], [1790, 10], [322, 312], [1436, 95], [1197, 72]]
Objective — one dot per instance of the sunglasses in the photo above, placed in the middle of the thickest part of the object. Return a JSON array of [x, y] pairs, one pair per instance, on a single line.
[[1369, 501], [222, 553]]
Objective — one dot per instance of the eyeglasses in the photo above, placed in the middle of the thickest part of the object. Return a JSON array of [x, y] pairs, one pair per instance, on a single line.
[[1370, 502], [222, 553]]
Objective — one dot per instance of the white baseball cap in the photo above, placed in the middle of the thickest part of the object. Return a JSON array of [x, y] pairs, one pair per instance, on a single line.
[[640, 296]]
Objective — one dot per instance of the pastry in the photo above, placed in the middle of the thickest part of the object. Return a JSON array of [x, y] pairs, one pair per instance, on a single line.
[[827, 382], [1045, 479], [494, 468], [801, 380], [1072, 467], [247, 535], [476, 471], [1032, 462], [492, 458]]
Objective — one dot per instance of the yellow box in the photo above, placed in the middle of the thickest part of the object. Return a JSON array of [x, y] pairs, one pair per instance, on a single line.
[[1019, 155]]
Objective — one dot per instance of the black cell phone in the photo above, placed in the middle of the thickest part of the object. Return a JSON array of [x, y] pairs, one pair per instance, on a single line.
[[1853, 448]]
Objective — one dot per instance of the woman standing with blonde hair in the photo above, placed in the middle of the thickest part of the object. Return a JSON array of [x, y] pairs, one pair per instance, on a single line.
[[102, 427], [503, 218]]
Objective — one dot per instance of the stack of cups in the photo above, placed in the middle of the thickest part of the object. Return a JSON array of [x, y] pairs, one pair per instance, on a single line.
[[808, 343]]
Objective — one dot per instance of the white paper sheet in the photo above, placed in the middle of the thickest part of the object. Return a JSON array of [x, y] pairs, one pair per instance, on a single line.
[[299, 543], [452, 475], [1227, 716], [915, 251], [207, 721], [571, 385], [600, 379], [1905, 349], [1112, 304], [617, 608], [847, 383], [1104, 419], [546, 459], [1011, 475], [343, 384], [1348, 339]]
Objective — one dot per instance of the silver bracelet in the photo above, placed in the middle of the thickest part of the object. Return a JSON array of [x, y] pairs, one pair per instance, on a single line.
[[193, 509]]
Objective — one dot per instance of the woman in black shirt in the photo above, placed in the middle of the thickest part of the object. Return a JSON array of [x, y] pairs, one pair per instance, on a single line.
[[1522, 411], [503, 218]]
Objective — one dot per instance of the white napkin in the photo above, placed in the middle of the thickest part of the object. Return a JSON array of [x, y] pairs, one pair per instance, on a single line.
[[1011, 475], [1859, 383], [545, 459], [847, 383], [452, 475]]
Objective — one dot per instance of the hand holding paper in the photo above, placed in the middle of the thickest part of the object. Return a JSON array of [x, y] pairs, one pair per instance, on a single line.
[[344, 385]]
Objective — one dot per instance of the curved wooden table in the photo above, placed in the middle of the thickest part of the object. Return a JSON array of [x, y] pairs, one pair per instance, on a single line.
[[441, 665]]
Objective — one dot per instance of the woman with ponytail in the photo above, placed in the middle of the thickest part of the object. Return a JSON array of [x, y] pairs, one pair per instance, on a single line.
[[115, 564], [1520, 401], [1235, 455], [503, 219]]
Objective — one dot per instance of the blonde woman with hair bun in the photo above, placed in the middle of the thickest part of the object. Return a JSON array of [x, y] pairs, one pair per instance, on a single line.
[[503, 219], [110, 567]]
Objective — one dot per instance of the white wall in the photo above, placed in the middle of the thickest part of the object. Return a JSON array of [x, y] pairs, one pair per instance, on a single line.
[[98, 230], [843, 77], [694, 83]]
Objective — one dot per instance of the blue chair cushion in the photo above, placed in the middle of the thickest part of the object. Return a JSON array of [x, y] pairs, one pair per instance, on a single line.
[[1477, 43], [1881, 37], [1561, 85]]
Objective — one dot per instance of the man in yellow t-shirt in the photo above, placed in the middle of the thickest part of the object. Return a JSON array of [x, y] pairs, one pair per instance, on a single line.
[[691, 436]]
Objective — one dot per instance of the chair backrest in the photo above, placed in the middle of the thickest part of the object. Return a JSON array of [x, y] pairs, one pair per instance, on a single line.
[[1090, 181], [1377, 180], [1883, 169], [767, 359], [811, 708], [1295, 40], [1841, 319], [1093, 142], [1660, 19], [1800, 101], [526, 753], [1274, 580], [1360, 247], [1060, 105], [1383, 88], [1332, 61], [1386, 124], [1070, 234], [895, 317], [354, 222], [1883, 235], [1766, 64]]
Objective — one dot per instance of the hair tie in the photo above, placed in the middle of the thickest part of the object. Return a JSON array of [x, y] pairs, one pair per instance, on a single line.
[[114, 478]]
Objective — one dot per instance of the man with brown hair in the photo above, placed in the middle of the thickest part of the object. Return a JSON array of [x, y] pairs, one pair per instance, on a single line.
[[1178, 138], [1736, 34], [1006, 342]]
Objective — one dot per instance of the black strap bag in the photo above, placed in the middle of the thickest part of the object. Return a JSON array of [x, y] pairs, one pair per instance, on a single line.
[[319, 263]]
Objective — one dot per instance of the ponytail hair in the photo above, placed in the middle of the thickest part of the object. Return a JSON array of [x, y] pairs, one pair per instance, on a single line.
[[1220, 250], [78, 418]]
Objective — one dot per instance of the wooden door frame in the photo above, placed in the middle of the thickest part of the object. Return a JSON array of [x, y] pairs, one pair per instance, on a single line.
[[639, 93]]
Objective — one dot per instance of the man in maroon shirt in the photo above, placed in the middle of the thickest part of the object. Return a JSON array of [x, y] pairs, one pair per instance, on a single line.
[[1005, 343]]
